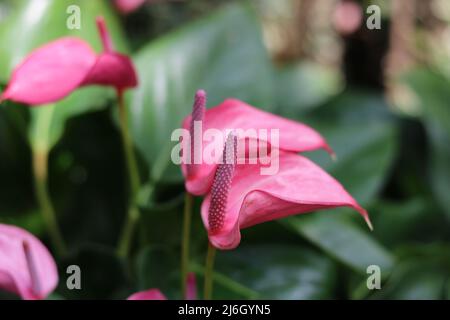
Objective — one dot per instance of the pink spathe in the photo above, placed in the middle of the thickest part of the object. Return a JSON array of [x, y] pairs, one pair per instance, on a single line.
[[128, 6], [151, 294], [156, 294], [300, 186], [26, 266]]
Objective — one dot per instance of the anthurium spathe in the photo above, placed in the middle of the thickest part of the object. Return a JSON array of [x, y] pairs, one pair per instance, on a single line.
[[54, 70], [128, 6], [151, 294], [26, 266], [241, 197], [156, 294], [235, 114]]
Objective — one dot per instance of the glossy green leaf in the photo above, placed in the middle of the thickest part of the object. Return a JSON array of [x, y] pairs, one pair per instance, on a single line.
[[158, 267], [412, 220], [47, 122], [421, 274], [304, 86], [433, 91], [221, 53], [279, 271], [102, 274], [342, 240], [360, 129]]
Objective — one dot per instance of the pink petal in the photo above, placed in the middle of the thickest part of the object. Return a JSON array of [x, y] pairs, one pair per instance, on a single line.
[[16, 273], [235, 114], [112, 69], [50, 72], [151, 294], [191, 287], [299, 187], [128, 6]]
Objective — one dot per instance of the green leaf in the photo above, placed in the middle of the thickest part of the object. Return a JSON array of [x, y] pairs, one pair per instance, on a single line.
[[303, 86], [360, 129], [14, 166], [162, 223], [413, 220], [342, 240], [432, 89], [421, 273], [158, 267], [279, 271], [47, 123], [221, 53], [102, 274]]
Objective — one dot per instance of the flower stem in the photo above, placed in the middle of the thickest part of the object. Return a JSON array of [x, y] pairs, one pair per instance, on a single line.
[[185, 241], [133, 178], [209, 269], [40, 166]]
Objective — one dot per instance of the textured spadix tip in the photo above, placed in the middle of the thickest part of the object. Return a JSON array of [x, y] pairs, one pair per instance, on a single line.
[[198, 109], [200, 94], [198, 113], [221, 186]]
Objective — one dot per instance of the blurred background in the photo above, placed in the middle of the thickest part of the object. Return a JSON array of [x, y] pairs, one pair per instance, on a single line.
[[379, 96]]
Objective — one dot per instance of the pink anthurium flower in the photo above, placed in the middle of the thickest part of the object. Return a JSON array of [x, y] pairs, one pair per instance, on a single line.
[[26, 266], [128, 6], [235, 114], [54, 70], [151, 294], [155, 294], [241, 197]]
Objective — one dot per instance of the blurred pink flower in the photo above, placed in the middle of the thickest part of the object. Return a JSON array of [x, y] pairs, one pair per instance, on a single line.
[[155, 294], [26, 266], [151, 294], [128, 6], [54, 70], [347, 17], [235, 114], [191, 287], [241, 197]]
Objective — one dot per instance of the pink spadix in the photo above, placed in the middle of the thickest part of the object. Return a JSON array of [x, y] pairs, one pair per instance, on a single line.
[[221, 185], [198, 114]]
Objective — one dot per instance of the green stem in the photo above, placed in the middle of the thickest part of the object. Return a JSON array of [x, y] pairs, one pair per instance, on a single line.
[[228, 283], [133, 177], [185, 240], [209, 271], [40, 166]]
